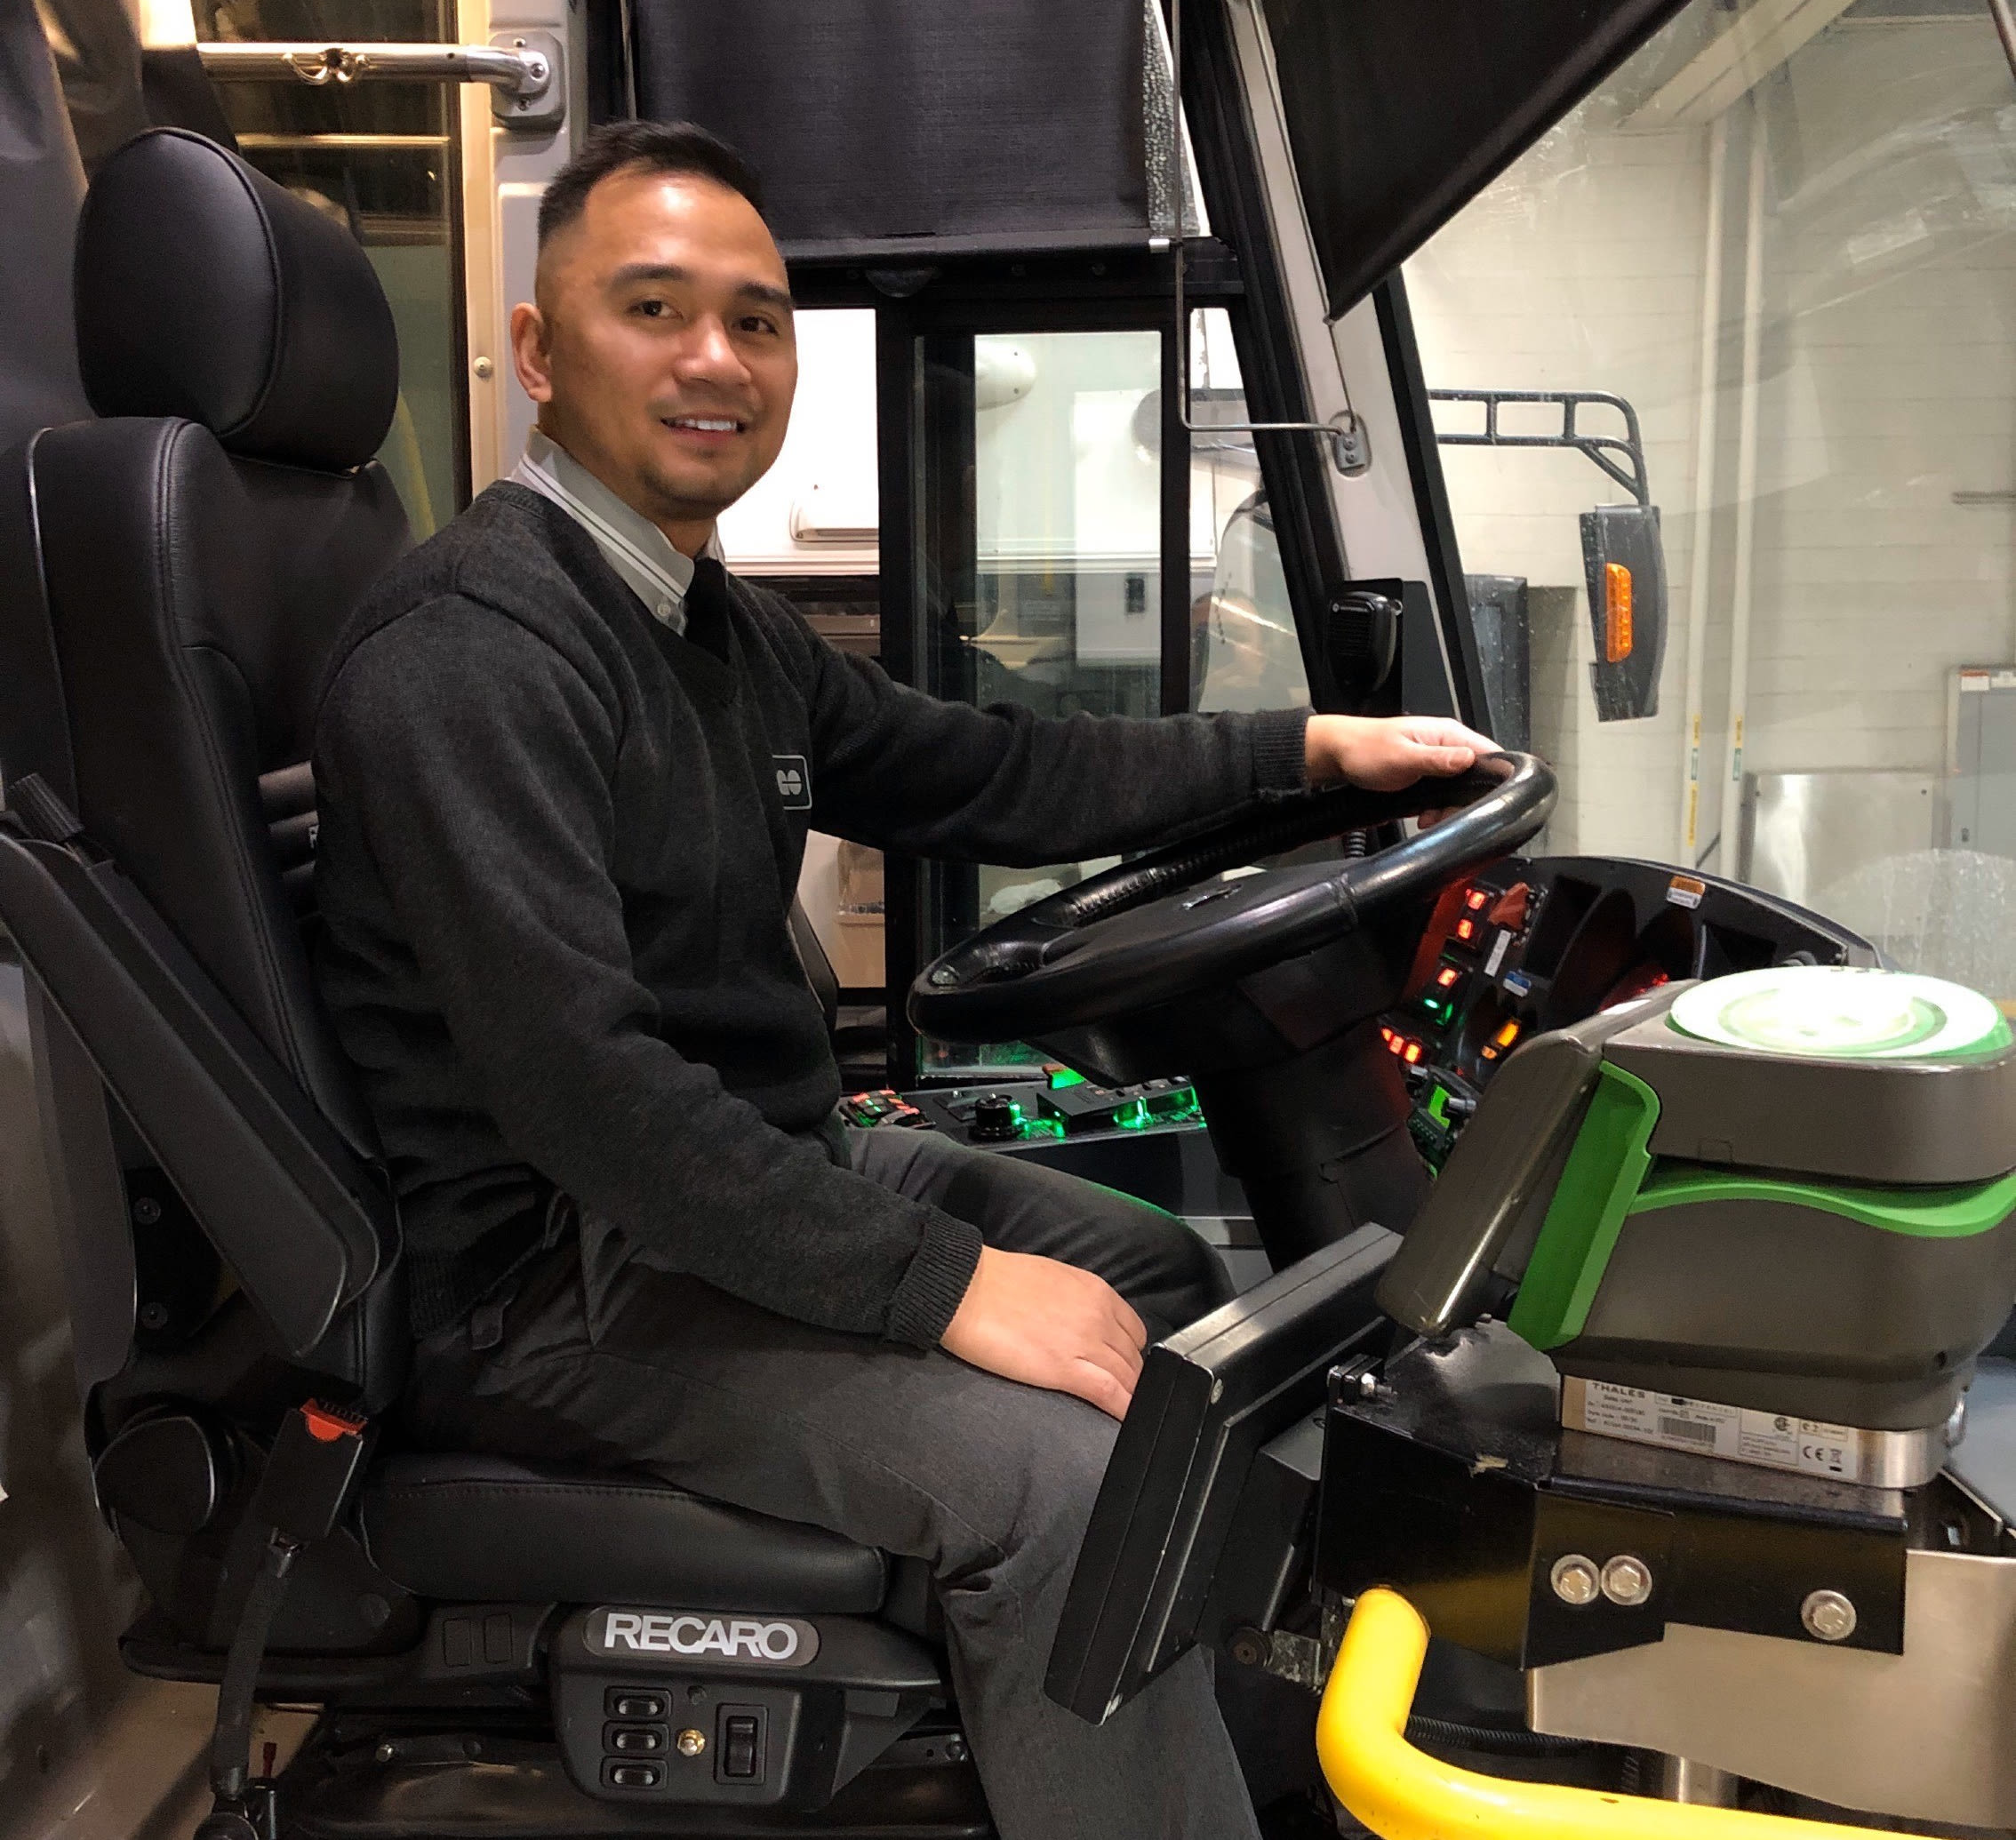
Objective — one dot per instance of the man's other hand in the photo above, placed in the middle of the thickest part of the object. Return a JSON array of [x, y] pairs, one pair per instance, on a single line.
[[1049, 1324], [1387, 754]]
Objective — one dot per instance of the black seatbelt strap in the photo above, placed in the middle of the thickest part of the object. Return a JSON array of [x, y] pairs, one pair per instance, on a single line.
[[310, 1474]]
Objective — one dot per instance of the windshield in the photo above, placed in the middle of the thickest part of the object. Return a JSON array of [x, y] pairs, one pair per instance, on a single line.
[[1757, 611]]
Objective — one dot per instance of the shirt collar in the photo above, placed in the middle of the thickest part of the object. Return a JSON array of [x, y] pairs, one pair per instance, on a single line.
[[631, 544]]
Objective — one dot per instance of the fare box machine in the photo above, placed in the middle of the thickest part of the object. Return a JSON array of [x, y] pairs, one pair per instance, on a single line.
[[1660, 1405]]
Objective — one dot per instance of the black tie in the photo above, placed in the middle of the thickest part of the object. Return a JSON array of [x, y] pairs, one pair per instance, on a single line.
[[707, 607]]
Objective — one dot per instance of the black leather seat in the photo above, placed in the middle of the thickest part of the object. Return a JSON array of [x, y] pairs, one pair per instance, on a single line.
[[171, 577], [478, 1528]]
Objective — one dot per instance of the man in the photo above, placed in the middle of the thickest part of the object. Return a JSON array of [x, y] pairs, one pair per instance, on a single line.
[[554, 873]]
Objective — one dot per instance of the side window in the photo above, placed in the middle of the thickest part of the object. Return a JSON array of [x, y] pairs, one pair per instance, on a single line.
[[382, 160], [1773, 637], [1244, 650]]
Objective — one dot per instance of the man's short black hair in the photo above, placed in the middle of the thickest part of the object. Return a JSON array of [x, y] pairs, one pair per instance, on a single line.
[[657, 147]]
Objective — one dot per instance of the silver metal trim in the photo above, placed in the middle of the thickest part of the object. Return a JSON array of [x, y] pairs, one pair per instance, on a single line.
[[1875, 1460], [1922, 1736], [1350, 448], [525, 73]]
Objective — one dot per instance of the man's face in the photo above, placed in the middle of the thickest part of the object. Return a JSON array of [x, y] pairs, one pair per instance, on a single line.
[[661, 352]]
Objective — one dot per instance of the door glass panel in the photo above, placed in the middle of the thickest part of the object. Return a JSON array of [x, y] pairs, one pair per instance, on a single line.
[[1798, 268], [1039, 487], [809, 527], [380, 158], [1244, 652]]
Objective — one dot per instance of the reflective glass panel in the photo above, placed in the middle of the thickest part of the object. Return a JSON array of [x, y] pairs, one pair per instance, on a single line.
[[1774, 262], [380, 158], [1040, 484], [1244, 652]]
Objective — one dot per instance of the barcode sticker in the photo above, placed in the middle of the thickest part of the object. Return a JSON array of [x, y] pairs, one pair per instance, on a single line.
[[1686, 1430], [1777, 1440], [1660, 1418]]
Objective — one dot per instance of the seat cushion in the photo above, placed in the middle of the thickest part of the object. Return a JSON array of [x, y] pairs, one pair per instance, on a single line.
[[487, 1529]]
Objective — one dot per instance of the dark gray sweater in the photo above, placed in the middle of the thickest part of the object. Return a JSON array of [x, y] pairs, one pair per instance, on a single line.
[[554, 872]]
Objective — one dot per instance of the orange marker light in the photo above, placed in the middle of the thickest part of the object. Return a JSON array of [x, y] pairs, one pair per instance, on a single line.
[[1508, 1034], [1616, 612]]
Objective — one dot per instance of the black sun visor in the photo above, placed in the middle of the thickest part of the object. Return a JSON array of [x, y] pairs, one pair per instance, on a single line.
[[1401, 111]]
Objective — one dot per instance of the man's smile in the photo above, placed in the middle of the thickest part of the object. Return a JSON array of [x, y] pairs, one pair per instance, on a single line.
[[709, 427]]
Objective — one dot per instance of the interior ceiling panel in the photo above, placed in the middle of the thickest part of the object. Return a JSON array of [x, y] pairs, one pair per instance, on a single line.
[[1399, 112]]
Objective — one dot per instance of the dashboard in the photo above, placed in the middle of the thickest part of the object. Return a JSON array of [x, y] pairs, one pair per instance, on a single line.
[[1517, 948], [1525, 946]]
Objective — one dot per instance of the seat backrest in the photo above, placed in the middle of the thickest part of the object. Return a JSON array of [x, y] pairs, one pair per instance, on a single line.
[[173, 577]]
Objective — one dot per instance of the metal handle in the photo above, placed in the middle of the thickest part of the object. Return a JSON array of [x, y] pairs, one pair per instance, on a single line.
[[525, 73], [526, 70], [1404, 1794]]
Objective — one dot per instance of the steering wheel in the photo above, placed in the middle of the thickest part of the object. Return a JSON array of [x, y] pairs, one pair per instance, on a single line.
[[1157, 929]]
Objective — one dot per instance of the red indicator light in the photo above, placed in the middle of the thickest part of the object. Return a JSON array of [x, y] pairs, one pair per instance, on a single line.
[[1412, 1054], [1394, 1041], [1475, 900], [1466, 929], [1447, 977]]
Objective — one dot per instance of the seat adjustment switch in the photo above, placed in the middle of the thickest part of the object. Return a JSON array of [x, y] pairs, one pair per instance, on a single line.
[[742, 1744]]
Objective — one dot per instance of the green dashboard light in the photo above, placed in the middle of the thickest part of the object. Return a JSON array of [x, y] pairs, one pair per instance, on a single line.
[[1064, 1077], [1829, 1011], [1135, 1116]]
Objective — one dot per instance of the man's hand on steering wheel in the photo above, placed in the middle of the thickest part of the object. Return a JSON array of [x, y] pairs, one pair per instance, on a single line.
[[1387, 754]]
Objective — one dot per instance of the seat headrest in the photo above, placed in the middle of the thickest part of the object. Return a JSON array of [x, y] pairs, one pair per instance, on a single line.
[[205, 290]]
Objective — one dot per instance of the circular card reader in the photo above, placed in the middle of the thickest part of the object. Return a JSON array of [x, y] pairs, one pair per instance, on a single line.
[[1842, 1012]]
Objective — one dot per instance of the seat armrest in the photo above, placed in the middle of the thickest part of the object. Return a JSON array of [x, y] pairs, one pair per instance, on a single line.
[[303, 1222]]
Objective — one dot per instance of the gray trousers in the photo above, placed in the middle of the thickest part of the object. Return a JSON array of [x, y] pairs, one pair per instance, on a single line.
[[605, 1358]]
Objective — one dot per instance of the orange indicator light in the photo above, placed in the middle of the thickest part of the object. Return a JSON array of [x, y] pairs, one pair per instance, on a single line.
[[1412, 1054], [1508, 1034], [1466, 929], [1474, 900], [1447, 977], [1616, 612]]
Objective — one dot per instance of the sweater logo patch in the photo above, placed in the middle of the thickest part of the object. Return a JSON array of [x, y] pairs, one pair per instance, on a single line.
[[794, 781]]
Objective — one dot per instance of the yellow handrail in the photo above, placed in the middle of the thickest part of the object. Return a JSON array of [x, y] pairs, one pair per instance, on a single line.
[[1404, 1794]]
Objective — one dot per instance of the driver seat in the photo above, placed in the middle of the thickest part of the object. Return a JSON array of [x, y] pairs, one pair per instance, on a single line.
[[171, 579]]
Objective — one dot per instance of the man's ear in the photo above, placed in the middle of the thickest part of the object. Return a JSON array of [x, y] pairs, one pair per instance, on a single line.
[[531, 351]]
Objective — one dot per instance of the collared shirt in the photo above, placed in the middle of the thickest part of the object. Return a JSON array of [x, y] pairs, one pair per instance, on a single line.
[[631, 544]]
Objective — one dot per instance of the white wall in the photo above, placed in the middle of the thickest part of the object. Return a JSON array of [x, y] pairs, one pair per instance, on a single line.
[[825, 477]]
